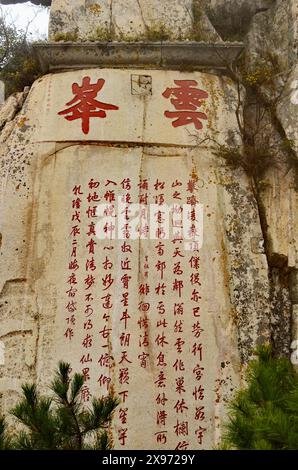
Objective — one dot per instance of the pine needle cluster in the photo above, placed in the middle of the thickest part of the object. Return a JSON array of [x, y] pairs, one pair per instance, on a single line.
[[61, 422], [264, 416]]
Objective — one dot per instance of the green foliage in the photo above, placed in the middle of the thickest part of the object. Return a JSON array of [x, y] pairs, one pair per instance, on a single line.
[[154, 33], [262, 72], [66, 37], [254, 160], [9, 39], [157, 32], [260, 75], [288, 145], [264, 416], [21, 70], [18, 66], [100, 34], [232, 155], [61, 422]]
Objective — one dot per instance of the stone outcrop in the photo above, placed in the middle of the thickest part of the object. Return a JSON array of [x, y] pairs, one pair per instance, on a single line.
[[271, 47], [244, 290], [154, 20], [9, 110], [232, 18]]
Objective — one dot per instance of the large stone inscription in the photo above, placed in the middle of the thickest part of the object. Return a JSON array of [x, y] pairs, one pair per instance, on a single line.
[[140, 317], [155, 107], [138, 296]]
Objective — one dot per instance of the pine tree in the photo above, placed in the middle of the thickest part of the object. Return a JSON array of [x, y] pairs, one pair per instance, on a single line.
[[61, 422], [264, 416]]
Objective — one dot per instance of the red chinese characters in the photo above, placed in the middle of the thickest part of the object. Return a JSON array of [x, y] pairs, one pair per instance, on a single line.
[[135, 316], [84, 105], [186, 99]]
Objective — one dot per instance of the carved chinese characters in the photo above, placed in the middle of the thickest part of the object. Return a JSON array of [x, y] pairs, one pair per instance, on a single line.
[[186, 99], [84, 106], [171, 108], [119, 333], [130, 274]]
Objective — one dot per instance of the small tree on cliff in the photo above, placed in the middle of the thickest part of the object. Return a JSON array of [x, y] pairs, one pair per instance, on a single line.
[[264, 416], [18, 66], [61, 423]]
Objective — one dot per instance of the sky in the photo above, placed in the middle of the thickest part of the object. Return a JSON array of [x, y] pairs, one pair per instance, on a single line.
[[23, 13]]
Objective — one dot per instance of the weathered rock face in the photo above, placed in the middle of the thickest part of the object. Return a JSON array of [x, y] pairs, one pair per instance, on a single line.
[[272, 48], [232, 18], [165, 319]]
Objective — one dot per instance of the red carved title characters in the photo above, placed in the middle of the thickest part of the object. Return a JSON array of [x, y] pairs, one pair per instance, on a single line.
[[186, 99], [84, 105]]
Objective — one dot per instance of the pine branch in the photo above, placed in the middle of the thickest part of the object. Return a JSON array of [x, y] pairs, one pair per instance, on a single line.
[[5, 441], [61, 422], [264, 416], [100, 415], [61, 386]]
